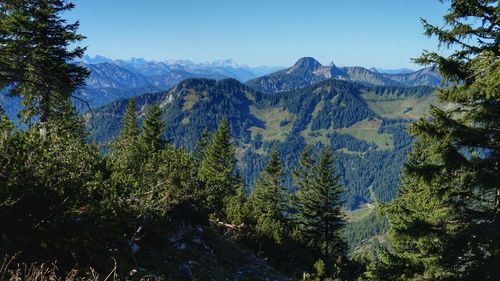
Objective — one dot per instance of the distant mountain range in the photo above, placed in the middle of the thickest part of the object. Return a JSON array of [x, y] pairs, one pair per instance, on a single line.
[[113, 79], [403, 70], [224, 68], [307, 71], [110, 80]]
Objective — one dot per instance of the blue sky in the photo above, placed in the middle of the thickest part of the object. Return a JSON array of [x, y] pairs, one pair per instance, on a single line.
[[382, 33]]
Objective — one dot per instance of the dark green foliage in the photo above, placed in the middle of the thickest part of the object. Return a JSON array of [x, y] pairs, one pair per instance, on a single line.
[[360, 234], [211, 101], [340, 110], [45, 187], [319, 203], [339, 141], [303, 173], [126, 151], [268, 201], [207, 100], [110, 123], [129, 126], [217, 170], [153, 129], [202, 146], [236, 208], [34, 35], [444, 222], [302, 178]]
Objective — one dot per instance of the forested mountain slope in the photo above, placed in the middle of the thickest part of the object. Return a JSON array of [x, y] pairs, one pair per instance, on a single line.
[[364, 124]]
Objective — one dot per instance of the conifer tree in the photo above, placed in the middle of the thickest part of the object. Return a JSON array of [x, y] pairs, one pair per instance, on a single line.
[[302, 177], [319, 206], [129, 123], [236, 210], [126, 156], [153, 129], [445, 219], [202, 146], [268, 201], [217, 169], [35, 61]]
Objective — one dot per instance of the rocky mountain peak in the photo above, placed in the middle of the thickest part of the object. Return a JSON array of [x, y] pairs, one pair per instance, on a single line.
[[307, 63]]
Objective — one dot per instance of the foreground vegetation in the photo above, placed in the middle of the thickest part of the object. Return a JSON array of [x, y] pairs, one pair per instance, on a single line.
[[147, 209]]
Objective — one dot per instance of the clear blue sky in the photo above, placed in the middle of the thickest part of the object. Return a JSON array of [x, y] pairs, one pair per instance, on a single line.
[[382, 33]]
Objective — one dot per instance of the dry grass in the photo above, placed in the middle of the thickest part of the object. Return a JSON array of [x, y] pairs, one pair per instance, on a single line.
[[13, 271]]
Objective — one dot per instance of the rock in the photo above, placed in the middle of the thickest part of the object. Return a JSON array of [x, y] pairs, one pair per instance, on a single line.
[[209, 250], [180, 246], [175, 237], [135, 248], [199, 229], [132, 272], [185, 268]]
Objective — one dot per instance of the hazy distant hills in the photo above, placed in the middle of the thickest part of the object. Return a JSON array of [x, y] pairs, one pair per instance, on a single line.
[[113, 79], [218, 68], [307, 71], [403, 70], [109, 81]]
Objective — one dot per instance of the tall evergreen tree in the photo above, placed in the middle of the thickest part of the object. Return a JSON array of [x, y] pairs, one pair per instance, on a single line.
[[129, 123], [268, 200], [217, 170], [153, 129], [302, 178], [35, 61], [202, 146], [126, 154], [319, 206], [445, 221]]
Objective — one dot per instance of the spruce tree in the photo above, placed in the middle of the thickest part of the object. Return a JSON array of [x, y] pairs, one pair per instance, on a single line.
[[268, 201], [217, 170], [236, 210], [202, 146], [126, 155], [302, 178], [129, 123], [35, 61], [153, 129], [445, 218], [319, 206]]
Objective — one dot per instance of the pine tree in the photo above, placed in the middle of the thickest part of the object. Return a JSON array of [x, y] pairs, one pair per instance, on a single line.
[[236, 210], [202, 146], [153, 129], [445, 221], [126, 155], [319, 205], [268, 201], [129, 123], [217, 170], [302, 178], [35, 62]]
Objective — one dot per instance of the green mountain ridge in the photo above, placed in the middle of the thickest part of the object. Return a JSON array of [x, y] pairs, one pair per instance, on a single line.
[[359, 121]]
